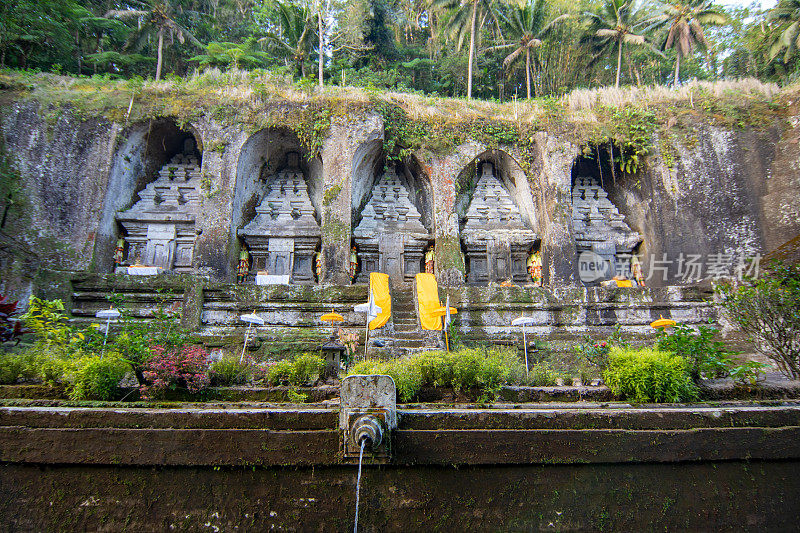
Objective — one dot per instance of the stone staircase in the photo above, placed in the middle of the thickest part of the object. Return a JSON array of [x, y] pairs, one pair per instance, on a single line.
[[407, 334]]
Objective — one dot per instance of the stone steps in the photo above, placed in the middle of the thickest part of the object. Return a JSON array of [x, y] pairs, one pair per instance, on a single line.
[[407, 337]]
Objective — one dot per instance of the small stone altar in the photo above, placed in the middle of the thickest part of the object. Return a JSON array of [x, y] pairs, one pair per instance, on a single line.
[[390, 237], [284, 234], [160, 227], [496, 238], [599, 227]]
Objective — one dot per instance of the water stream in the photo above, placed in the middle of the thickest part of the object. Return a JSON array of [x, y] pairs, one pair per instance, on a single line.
[[358, 483]]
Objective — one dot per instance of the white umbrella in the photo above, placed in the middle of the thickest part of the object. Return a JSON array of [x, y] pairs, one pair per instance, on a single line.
[[250, 319], [108, 314], [524, 321]]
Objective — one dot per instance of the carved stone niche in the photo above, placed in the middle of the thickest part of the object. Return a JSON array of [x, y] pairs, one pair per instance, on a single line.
[[497, 240], [284, 234], [598, 226], [160, 227], [390, 237]]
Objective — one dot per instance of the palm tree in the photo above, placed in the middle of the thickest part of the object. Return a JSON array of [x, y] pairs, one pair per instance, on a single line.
[[614, 24], [157, 17], [466, 18], [685, 33], [294, 34], [787, 15], [530, 25]]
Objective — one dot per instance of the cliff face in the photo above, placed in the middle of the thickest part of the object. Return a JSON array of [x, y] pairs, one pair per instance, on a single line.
[[62, 166], [731, 192], [710, 190]]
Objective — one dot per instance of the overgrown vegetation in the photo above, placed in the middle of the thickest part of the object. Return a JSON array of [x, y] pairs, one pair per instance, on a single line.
[[303, 370], [480, 371], [708, 358], [768, 309], [649, 375], [507, 50]]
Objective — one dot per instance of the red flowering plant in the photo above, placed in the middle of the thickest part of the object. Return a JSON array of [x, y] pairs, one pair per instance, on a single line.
[[171, 367], [596, 352]]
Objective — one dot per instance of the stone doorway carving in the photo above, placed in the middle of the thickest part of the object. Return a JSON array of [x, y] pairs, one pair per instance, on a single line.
[[598, 225], [390, 237], [284, 235], [160, 227], [497, 241]]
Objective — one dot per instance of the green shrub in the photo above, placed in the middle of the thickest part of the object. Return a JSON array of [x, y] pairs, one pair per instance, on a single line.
[[280, 372], [541, 375], [649, 375], [307, 369], [230, 371], [406, 374], [768, 309], [303, 370], [483, 371], [15, 367], [51, 370], [706, 356], [96, 378]]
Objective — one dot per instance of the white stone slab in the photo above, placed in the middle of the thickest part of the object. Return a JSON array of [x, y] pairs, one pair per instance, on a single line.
[[143, 270], [270, 279]]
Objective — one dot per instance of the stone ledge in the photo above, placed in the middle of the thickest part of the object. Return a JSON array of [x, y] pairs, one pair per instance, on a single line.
[[277, 436], [469, 447]]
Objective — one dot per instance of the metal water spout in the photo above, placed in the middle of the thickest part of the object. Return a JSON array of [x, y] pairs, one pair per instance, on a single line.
[[367, 428], [368, 415]]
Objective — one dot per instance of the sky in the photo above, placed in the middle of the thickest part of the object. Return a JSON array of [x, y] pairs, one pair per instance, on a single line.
[[764, 4]]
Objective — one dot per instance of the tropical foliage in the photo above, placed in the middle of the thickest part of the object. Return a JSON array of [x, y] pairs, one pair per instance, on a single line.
[[487, 49]]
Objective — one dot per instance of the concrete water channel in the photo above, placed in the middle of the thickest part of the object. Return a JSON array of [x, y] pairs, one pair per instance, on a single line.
[[577, 466]]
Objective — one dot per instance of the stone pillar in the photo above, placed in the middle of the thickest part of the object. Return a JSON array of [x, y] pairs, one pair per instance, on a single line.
[[213, 255], [339, 150], [444, 171], [558, 243]]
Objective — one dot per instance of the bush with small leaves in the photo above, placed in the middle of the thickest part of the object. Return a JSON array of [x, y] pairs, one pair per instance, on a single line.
[[230, 370], [304, 370], [541, 375], [649, 375], [479, 370], [171, 367], [96, 378], [768, 309]]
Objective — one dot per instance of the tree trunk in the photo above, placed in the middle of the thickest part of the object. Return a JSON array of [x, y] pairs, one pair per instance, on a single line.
[[619, 63], [471, 48], [676, 80], [321, 44], [160, 57], [528, 71]]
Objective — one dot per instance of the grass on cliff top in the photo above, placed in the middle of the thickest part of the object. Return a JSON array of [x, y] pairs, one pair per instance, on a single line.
[[100, 94]]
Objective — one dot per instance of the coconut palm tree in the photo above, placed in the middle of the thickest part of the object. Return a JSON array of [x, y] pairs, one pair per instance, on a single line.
[[685, 20], [155, 17], [465, 18], [530, 25], [787, 37], [614, 23], [294, 34]]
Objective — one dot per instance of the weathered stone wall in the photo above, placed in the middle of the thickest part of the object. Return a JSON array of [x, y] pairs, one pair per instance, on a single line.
[[726, 191], [729, 192], [63, 164], [292, 324], [694, 468]]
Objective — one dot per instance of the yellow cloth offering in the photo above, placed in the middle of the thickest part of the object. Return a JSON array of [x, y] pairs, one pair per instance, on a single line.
[[429, 307], [379, 287]]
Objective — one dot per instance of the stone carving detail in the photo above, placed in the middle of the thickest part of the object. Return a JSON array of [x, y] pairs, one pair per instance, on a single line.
[[284, 234], [598, 225], [161, 225], [390, 236], [496, 238]]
